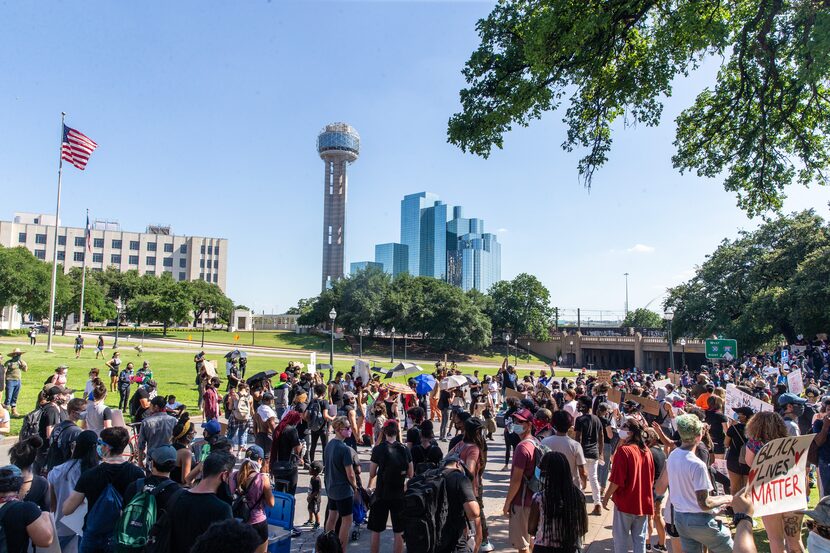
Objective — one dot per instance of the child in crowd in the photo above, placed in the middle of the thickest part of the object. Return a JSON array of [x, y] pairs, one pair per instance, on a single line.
[[313, 497]]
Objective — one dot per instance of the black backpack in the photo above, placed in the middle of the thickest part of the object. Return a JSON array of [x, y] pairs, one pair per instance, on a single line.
[[393, 470], [31, 424], [425, 512], [316, 420], [59, 450]]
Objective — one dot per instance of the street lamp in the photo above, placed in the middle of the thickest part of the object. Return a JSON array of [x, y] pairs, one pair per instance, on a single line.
[[405, 344], [683, 355], [507, 342], [668, 315], [332, 316], [117, 321], [360, 330], [516, 353], [392, 360], [203, 329], [528, 352], [570, 355]]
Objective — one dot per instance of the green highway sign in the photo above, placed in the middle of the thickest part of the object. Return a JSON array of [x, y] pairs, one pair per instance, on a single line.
[[721, 349]]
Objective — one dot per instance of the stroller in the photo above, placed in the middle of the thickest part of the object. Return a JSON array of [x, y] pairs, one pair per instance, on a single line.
[[360, 510]]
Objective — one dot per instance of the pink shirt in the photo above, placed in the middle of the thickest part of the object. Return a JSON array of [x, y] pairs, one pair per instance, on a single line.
[[523, 461], [254, 496]]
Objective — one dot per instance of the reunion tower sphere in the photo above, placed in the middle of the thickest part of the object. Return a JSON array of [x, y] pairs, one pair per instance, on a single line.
[[338, 145]]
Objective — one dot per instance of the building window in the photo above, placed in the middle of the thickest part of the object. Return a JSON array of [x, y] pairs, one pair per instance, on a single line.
[[149, 272], [182, 275], [168, 261], [183, 248], [61, 240], [202, 263], [151, 260], [97, 270], [80, 242], [115, 259], [134, 245], [215, 263], [40, 238], [116, 244], [78, 256], [201, 276], [133, 260], [216, 250], [151, 246], [204, 248], [21, 237], [40, 254], [182, 263], [168, 248], [61, 256], [97, 258], [210, 250], [97, 242], [215, 278]]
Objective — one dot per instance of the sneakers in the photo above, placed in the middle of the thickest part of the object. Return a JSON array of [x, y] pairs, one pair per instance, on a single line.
[[486, 546], [597, 510], [296, 532]]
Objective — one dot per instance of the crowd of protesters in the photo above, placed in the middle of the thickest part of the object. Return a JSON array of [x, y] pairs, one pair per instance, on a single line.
[[573, 447]]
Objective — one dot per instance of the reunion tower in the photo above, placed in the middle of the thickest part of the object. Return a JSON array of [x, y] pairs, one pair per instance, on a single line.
[[338, 144]]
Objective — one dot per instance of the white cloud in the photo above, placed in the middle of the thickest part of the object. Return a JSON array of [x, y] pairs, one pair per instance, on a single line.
[[640, 248], [501, 230]]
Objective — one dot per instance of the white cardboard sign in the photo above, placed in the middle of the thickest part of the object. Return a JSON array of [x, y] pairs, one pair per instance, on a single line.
[[795, 382], [736, 398], [662, 383], [778, 476], [312, 364]]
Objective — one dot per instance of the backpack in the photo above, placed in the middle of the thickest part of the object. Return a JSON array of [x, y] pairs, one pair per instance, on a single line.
[[138, 518], [242, 409], [59, 451], [424, 512], [316, 420], [102, 519], [393, 469], [240, 507], [31, 424], [533, 483], [161, 532]]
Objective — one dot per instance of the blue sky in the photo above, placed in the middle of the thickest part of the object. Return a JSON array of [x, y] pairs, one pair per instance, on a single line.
[[206, 115]]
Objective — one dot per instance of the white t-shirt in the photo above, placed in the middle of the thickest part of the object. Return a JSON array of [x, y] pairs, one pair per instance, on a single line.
[[265, 412], [687, 475], [571, 449]]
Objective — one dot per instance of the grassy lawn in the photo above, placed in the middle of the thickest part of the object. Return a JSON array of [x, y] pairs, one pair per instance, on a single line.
[[173, 371]]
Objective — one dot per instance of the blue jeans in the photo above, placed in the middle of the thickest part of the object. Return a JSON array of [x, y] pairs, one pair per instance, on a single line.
[[96, 545], [630, 530], [605, 470], [241, 432], [12, 389], [699, 530]]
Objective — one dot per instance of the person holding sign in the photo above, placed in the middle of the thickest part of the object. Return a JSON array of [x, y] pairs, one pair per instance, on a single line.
[[783, 529]]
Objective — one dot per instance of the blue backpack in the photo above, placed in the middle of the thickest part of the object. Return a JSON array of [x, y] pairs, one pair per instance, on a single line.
[[103, 518]]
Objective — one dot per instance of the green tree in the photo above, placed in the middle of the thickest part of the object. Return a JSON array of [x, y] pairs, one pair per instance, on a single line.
[[165, 301], [97, 306], [205, 297], [361, 299], [753, 287], [303, 306], [522, 307], [643, 318], [765, 123], [25, 281]]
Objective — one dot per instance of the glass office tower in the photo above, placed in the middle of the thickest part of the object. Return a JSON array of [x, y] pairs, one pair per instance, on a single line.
[[392, 257], [362, 266], [411, 207], [479, 258], [433, 247]]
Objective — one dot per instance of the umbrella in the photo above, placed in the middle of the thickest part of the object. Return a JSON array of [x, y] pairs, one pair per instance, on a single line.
[[380, 370], [403, 369], [262, 375], [455, 381], [400, 388], [236, 354], [424, 384]]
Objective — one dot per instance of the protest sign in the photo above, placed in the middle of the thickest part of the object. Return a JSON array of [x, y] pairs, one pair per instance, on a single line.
[[615, 396], [778, 476], [361, 369], [770, 371], [649, 405], [785, 356], [604, 376], [312, 363], [736, 398], [210, 368], [798, 350], [674, 378], [795, 382], [662, 383], [509, 392]]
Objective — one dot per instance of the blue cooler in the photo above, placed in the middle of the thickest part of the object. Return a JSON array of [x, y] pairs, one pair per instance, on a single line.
[[279, 519]]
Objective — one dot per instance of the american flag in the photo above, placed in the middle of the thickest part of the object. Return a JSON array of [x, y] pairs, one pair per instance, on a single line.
[[76, 147], [88, 234]]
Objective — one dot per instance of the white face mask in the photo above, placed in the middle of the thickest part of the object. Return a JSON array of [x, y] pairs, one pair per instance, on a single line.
[[624, 434], [518, 429]]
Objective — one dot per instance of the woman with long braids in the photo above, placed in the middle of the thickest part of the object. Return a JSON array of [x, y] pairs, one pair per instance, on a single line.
[[472, 450], [558, 517], [183, 434]]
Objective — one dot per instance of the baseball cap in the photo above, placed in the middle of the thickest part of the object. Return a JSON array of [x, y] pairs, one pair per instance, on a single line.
[[55, 390], [283, 377], [790, 398], [821, 513], [159, 401], [212, 427], [267, 396], [254, 452], [163, 454], [745, 411], [522, 415]]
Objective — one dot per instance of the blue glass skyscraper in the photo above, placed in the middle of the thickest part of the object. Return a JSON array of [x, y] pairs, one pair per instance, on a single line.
[[392, 257], [411, 207], [433, 247]]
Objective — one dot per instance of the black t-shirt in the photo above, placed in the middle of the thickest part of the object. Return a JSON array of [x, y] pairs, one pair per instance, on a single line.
[[715, 421], [337, 394], [192, 515], [39, 493], [459, 492], [590, 426], [393, 462], [93, 482], [430, 454], [659, 457], [443, 399], [454, 441], [141, 393], [413, 435], [737, 439], [162, 497], [320, 405], [288, 440], [302, 426], [52, 416], [17, 515], [60, 443]]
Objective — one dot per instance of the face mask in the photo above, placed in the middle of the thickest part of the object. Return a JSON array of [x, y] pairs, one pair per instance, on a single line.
[[518, 429], [798, 410], [82, 415], [100, 449], [346, 432], [624, 434]]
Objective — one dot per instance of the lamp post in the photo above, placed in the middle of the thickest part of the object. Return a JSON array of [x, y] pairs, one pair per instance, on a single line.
[[668, 315], [507, 345], [571, 354], [360, 330], [516, 352], [117, 321], [683, 355], [203, 329], [392, 360], [405, 344], [626, 293], [332, 316], [528, 353], [253, 326]]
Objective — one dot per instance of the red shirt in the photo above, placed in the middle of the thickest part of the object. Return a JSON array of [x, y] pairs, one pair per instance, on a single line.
[[633, 473], [523, 461]]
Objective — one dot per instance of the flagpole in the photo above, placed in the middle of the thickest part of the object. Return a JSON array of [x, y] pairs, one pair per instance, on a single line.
[[83, 275], [55, 244]]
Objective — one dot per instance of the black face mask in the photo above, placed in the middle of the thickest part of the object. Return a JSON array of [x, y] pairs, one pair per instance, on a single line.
[[224, 493]]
